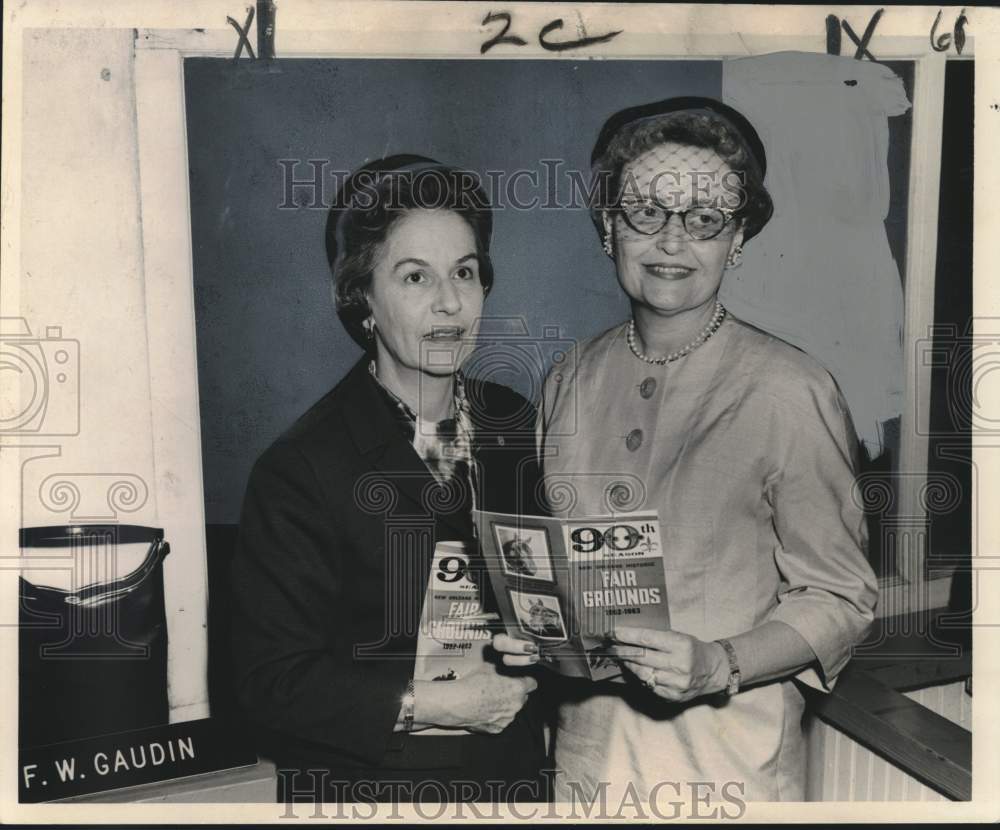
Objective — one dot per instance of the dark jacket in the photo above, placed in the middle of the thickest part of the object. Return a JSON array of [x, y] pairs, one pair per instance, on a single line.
[[336, 538]]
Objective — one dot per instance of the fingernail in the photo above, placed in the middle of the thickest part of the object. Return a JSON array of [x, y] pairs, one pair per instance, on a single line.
[[529, 648]]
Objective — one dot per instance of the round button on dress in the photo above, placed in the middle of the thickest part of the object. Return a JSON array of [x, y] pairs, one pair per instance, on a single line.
[[634, 439], [647, 387]]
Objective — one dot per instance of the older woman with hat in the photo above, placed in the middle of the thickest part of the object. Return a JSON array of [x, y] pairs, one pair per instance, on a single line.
[[744, 446], [357, 524]]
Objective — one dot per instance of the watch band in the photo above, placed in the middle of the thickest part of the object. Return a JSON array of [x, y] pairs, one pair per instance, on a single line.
[[409, 702], [733, 684]]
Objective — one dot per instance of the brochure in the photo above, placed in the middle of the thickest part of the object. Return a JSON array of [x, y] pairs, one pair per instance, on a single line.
[[566, 583]]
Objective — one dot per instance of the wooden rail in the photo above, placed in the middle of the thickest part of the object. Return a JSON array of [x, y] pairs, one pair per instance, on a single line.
[[868, 705]]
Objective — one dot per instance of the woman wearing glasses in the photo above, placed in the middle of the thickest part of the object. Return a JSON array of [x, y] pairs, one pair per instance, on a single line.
[[744, 446]]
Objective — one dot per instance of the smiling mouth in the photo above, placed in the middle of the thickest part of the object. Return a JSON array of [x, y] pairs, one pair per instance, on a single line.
[[670, 272], [445, 333]]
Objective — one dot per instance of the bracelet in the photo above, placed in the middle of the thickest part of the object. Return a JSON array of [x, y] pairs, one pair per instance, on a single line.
[[733, 683], [409, 702]]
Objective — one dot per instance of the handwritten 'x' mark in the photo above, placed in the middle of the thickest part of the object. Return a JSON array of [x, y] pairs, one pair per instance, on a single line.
[[863, 42], [242, 32]]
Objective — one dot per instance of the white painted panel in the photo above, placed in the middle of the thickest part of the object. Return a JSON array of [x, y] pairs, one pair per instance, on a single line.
[[173, 369], [81, 286]]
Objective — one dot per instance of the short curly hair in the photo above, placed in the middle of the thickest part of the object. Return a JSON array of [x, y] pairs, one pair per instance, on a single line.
[[694, 128], [367, 206]]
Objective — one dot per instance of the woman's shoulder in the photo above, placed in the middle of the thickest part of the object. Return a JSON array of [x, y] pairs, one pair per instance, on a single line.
[[776, 367], [597, 343], [588, 352], [322, 428], [324, 419]]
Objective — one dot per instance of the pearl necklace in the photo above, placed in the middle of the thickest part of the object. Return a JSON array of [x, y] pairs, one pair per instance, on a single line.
[[708, 331]]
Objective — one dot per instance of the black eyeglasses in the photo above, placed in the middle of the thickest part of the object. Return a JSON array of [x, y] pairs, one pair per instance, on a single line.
[[699, 222]]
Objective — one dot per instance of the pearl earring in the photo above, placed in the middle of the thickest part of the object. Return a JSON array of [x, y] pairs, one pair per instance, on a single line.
[[735, 258], [369, 327]]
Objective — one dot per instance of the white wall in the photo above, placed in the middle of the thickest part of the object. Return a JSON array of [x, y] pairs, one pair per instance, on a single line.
[[82, 270]]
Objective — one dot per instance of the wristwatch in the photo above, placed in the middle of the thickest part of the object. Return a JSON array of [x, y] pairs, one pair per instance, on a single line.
[[409, 701], [733, 684]]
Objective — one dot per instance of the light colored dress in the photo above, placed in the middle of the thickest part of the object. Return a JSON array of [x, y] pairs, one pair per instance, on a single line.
[[746, 449]]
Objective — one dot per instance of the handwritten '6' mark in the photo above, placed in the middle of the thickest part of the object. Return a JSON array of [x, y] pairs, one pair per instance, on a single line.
[[548, 28], [941, 43]]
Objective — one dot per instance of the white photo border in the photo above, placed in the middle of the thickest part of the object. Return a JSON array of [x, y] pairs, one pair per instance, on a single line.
[[166, 33]]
